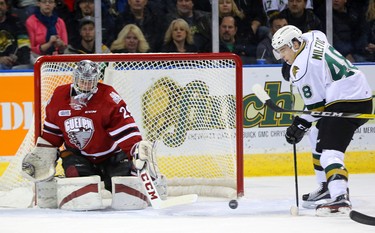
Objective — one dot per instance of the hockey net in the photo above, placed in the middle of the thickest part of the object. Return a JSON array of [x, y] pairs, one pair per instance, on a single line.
[[190, 104]]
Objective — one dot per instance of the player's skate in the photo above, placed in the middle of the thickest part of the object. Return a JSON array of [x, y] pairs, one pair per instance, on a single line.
[[319, 196], [340, 206]]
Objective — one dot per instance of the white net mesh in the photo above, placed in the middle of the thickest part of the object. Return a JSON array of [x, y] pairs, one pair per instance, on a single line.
[[187, 106]]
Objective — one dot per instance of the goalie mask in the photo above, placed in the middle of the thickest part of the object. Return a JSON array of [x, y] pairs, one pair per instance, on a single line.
[[85, 82], [285, 36]]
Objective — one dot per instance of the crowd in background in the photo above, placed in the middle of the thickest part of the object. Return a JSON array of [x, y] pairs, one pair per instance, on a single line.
[[31, 28]]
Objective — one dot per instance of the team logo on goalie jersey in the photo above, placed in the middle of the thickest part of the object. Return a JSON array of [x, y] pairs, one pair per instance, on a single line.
[[80, 131]]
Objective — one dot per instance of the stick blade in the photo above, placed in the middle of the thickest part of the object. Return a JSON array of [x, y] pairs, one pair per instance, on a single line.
[[362, 218], [180, 200], [260, 93]]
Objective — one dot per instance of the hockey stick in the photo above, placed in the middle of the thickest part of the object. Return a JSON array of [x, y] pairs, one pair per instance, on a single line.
[[265, 98], [362, 218], [154, 197], [295, 173], [296, 210]]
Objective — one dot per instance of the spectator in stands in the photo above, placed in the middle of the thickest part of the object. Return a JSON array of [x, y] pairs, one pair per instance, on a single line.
[[229, 7], [228, 39], [276, 6], [164, 6], [150, 21], [227, 34], [70, 4], [130, 40], [23, 8], [199, 22], [264, 48], [252, 29], [47, 32], [370, 17], [297, 15], [203, 5], [84, 8], [179, 38], [63, 11], [14, 42], [87, 33], [349, 31]]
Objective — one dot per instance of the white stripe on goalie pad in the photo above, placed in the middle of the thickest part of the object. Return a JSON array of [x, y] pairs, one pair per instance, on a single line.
[[128, 193], [79, 193]]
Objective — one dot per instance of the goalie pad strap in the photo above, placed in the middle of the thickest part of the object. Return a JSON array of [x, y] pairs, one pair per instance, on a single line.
[[45, 145]]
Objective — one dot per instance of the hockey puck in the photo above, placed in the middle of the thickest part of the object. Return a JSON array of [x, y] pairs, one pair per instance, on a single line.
[[294, 210], [233, 204]]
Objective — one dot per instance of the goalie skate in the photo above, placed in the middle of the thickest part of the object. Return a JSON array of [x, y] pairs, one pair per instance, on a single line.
[[340, 206], [319, 196]]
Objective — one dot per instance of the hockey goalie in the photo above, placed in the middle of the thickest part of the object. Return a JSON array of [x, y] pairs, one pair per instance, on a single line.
[[102, 145]]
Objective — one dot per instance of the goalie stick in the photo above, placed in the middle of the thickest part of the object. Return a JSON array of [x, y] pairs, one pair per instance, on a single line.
[[265, 98], [154, 197], [362, 218]]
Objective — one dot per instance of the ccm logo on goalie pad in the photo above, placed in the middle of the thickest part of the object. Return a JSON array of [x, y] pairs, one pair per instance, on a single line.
[[150, 189]]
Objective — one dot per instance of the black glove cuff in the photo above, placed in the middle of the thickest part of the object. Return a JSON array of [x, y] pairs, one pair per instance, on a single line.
[[301, 123]]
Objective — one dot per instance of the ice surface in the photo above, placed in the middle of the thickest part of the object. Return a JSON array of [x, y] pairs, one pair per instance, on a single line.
[[264, 209]]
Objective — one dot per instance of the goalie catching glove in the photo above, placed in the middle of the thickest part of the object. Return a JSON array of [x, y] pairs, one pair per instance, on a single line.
[[39, 164], [296, 131], [144, 158]]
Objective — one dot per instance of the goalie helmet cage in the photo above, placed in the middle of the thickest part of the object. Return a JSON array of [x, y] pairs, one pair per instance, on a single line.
[[190, 104]]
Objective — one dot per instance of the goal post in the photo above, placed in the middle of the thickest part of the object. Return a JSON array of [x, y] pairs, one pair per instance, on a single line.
[[190, 104]]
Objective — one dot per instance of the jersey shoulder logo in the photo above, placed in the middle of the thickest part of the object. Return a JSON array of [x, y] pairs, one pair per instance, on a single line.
[[295, 70], [65, 113], [80, 131], [115, 97]]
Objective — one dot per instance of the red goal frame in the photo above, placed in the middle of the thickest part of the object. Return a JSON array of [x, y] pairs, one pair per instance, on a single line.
[[152, 57]]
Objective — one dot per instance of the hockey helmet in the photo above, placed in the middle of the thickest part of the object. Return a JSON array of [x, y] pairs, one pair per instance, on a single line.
[[86, 77], [285, 36]]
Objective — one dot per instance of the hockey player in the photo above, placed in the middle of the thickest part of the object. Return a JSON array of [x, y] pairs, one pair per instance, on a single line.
[[326, 81], [97, 130]]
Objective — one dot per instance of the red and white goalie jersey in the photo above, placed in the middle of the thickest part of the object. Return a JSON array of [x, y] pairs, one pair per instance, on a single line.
[[98, 129]]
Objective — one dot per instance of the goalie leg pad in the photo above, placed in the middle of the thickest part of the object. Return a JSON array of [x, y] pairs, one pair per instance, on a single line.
[[128, 193], [46, 194], [79, 193]]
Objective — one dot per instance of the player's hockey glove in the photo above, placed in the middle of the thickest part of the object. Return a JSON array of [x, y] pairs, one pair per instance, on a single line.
[[296, 131]]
